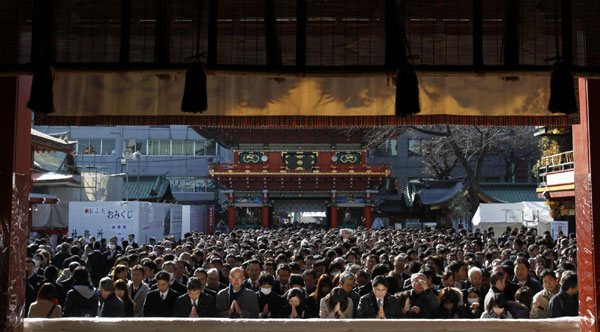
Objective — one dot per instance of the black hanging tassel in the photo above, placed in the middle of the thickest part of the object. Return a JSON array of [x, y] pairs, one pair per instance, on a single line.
[[41, 99], [562, 90], [195, 99], [407, 91]]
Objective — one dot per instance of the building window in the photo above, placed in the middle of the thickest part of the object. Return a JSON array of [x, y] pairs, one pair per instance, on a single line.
[[136, 145], [96, 146], [181, 147], [108, 147], [387, 149], [414, 147], [178, 147]]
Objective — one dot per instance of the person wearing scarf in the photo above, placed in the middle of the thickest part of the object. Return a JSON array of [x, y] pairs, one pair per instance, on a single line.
[[236, 301]]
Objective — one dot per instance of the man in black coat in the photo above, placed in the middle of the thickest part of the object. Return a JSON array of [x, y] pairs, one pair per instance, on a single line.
[[160, 302], [96, 264], [423, 302], [60, 257], [194, 303], [74, 258], [378, 303], [110, 305], [33, 278]]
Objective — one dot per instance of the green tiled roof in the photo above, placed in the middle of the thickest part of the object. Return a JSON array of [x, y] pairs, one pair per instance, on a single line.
[[503, 192], [149, 188]]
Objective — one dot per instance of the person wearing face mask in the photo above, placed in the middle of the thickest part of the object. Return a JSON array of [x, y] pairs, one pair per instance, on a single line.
[[473, 300], [269, 302]]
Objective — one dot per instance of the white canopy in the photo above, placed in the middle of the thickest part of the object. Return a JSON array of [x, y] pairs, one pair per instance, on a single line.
[[500, 215]]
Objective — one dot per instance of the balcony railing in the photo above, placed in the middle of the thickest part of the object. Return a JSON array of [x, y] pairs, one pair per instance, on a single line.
[[555, 163]]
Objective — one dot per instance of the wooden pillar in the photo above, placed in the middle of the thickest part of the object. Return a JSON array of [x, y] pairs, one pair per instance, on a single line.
[[15, 181], [265, 209], [231, 214], [367, 213], [367, 209], [587, 186], [333, 213]]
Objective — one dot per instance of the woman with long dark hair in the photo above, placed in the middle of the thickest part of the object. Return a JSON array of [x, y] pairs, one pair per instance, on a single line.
[[122, 292], [295, 306], [324, 286]]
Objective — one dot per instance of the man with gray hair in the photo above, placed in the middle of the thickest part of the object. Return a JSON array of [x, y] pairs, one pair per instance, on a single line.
[[110, 304], [347, 281], [474, 279]]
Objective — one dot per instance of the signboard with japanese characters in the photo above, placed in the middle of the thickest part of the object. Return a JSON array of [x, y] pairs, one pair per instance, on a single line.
[[107, 219]]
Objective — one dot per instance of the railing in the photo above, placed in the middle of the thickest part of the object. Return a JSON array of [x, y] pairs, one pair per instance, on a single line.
[[552, 164], [571, 324]]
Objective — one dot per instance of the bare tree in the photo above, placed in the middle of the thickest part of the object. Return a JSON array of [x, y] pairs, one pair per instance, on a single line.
[[439, 161], [469, 146]]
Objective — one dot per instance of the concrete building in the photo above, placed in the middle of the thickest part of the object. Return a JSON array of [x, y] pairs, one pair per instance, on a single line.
[[177, 151]]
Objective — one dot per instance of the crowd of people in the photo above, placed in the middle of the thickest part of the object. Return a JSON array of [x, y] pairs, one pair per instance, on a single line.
[[301, 273]]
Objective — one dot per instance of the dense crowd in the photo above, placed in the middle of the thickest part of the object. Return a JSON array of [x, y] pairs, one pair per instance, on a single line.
[[307, 273]]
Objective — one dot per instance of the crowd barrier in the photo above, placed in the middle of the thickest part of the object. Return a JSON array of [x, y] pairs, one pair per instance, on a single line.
[[572, 324]]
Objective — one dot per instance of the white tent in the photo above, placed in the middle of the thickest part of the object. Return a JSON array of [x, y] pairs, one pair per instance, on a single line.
[[500, 215]]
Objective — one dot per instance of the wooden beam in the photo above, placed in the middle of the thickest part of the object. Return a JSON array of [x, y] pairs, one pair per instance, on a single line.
[[477, 33], [42, 35], [125, 31], [213, 15], [291, 71], [273, 48], [301, 36], [162, 35], [567, 31], [510, 36]]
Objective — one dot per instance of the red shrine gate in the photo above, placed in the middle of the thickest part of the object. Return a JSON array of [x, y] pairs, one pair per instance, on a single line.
[[275, 172]]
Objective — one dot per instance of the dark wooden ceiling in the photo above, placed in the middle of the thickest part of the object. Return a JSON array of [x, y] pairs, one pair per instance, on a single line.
[[340, 34]]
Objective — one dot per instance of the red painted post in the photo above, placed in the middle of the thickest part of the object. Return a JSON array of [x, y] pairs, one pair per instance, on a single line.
[[587, 186], [367, 213], [231, 214], [265, 209], [367, 210], [333, 213], [333, 216], [15, 181]]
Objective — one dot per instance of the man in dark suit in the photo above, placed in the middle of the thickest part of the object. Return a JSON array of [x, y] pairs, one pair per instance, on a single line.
[[194, 303], [253, 269], [378, 303], [33, 278], [75, 251], [212, 281], [111, 305], [160, 302], [59, 258], [201, 274], [282, 283], [96, 263], [132, 243]]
